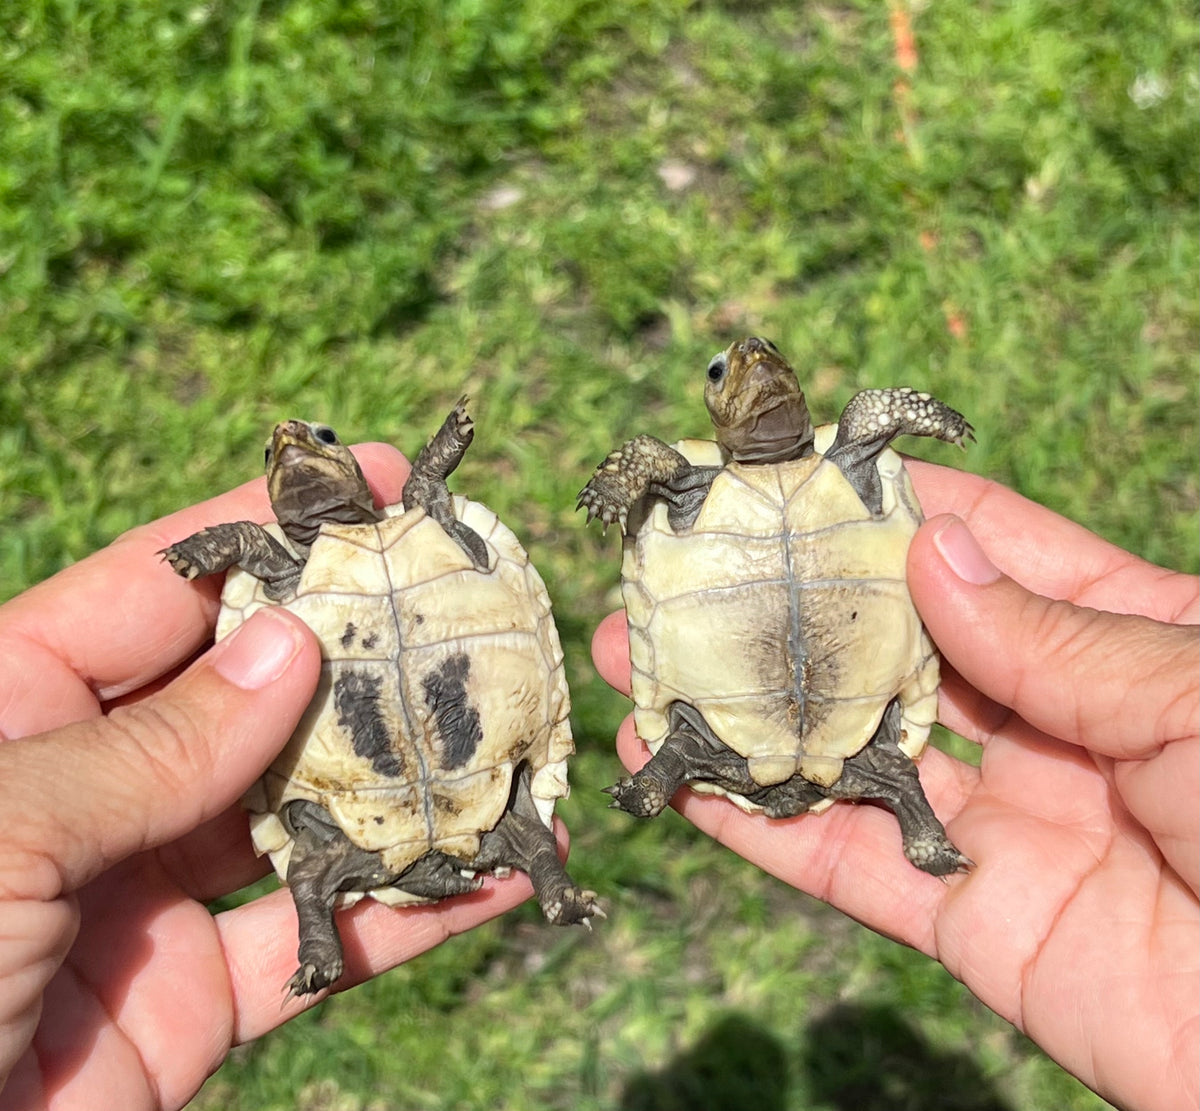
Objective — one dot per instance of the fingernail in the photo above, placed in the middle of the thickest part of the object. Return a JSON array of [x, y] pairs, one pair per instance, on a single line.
[[258, 652], [963, 555]]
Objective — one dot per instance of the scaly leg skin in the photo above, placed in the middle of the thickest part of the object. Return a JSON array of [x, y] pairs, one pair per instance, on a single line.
[[520, 840], [789, 798], [240, 543], [690, 753], [874, 418], [640, 467], [319, 870], [325, 863], [437, 876], [883, 773], [426, 486]]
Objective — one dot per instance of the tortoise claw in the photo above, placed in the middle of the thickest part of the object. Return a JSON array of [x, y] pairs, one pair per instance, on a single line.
[[179, 563], [310, 980], [604, 497], [573, 906]]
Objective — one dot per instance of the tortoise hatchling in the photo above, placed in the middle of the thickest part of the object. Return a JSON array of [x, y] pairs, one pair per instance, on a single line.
[[777, 656], [436, 745]]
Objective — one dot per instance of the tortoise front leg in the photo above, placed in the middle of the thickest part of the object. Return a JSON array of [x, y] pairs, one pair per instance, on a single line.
[[874, 418], [240, 543], [426, 486], [646, 466]]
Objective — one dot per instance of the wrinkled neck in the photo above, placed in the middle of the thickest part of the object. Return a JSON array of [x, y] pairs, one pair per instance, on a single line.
[[778, 433], [303, 507]]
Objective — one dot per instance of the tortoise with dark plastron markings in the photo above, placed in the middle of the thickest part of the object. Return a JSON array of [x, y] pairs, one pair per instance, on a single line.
[[436, 745], [777, 656]]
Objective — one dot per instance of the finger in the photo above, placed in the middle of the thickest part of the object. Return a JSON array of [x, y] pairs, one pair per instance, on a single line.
[[216, 858], [1052, 555], [849, 856], [236, 965], [144, 983], [1162, 794], [83, 797], [34, 941], [1121, 684], [260, 942], [610, 651], [120, 618]]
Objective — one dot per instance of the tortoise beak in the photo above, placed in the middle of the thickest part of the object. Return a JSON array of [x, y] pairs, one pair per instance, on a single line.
[[291, 434], [297, 442], [754, 347]]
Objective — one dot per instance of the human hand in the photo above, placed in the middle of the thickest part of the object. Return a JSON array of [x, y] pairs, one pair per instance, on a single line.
[[1080, 923], [121, 821]]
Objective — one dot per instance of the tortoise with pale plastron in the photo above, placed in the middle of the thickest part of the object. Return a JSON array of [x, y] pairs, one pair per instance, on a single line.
[[777, 657], [436, 745]]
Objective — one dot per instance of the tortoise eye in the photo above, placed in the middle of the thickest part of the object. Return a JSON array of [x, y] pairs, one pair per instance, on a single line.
[[267, 456], [325, 434], [716, 369]]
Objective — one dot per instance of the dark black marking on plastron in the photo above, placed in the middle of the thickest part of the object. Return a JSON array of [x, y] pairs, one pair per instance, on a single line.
[[348, 634], [369, 641], [456, 720], [356, 697]]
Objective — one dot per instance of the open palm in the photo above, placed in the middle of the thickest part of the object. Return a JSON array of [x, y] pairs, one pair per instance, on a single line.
[[118, 988], [1080, 923]]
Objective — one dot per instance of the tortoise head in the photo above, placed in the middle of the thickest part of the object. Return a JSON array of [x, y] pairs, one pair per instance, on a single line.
[[756, 404], [313, 479]]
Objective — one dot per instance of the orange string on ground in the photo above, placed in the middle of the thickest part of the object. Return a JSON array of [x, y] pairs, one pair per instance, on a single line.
[[904, 51]]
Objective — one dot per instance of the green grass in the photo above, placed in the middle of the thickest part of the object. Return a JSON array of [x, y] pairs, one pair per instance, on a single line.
[[216, 215]]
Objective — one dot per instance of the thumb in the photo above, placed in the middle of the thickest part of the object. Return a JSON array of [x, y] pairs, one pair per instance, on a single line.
[[78, 799], [1122, 685]]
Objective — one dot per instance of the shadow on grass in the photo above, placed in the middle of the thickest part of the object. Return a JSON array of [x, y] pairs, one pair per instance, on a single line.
[[855, 1058], [737, 1064], [870, 1058]]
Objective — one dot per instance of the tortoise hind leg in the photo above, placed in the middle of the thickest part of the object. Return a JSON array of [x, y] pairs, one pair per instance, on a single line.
[[521, 840], [690, 753], [883, 773], [325, 863], [426, 486]]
